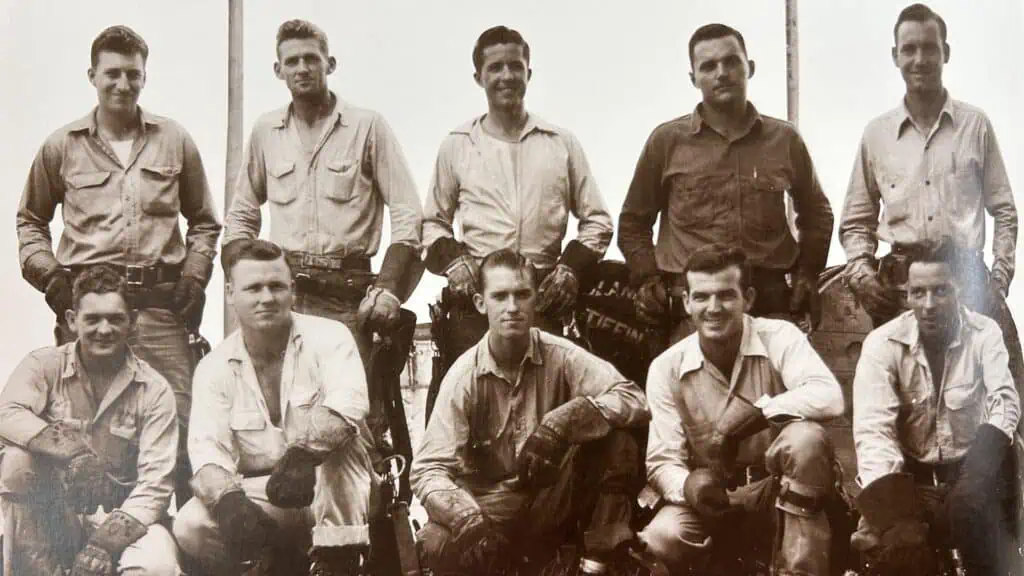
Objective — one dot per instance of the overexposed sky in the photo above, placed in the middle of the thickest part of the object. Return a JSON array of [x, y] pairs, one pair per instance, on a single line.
[[608, 71]]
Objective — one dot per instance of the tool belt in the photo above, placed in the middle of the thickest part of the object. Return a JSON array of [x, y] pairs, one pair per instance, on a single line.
[[142, 283], [945, 472], [334, 276]]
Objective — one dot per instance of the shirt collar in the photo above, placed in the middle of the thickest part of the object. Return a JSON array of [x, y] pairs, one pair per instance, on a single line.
[[283, 115], [750, 345], [72, 363], [88, 122], [697, 122], [238, 353], [486, 364], [908, 333], [475, 130], [903, 118]]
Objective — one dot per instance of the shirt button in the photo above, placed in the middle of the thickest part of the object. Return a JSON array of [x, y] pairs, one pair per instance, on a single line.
[[927, 182], [930, 218], [892, 185]]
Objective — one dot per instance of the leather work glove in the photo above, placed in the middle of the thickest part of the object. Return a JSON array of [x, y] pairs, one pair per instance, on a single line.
[[478, 545], [558, 292], [540, 461], [80, 471], [188, 300], [805, 298], [58, 294], [651, 301], [293, 479], [897, 538], [103, 550], [997, 286], [378, 310], [247, 529], [738, 421], [878, 301], [704, 490], [462, 275]]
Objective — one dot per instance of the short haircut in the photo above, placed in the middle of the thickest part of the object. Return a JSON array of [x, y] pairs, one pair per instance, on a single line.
[[712, 258], [98, 279], [301, 30], [249, 249], [713, 31], [120, 39], [918, 13], [494, 36], [506, 258]]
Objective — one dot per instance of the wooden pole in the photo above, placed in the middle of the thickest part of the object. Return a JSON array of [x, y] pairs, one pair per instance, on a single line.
[[235, 137], [792, 90]]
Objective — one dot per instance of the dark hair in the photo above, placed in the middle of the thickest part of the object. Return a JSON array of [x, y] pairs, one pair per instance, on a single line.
[[301, 30], [944, 251], [713, 31], [248, 249], [120, 39], [712, 258], [494, 36], [98, 279], [506, 258], [918, 13]]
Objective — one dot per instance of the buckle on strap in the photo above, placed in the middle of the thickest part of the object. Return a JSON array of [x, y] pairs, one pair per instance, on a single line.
[[134, 275]]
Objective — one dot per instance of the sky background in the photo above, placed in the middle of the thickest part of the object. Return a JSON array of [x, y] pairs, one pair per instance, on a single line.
[[608, 71]]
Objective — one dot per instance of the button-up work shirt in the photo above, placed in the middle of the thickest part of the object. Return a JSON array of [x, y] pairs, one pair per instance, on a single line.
[[776, 369], [515, 195], [709, 189], [114, 213], [933, 184], [231, 426], [332, 201], [483, 416], [897, 410], [133, 428]]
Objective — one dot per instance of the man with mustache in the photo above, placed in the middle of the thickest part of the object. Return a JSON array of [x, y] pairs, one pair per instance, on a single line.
[[123, 176], [734, 436], [721, 174], [934, 413], [528, 444], [511, 179], [934, 164], [83, 425], [280, 446]]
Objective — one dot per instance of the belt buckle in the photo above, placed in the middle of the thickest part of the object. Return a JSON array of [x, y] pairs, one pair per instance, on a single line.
[[133, 276]]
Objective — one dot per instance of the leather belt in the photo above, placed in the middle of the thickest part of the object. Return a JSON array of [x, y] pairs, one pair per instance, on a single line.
[[923, 473], [915, 250], [304, 260], [137, 277]]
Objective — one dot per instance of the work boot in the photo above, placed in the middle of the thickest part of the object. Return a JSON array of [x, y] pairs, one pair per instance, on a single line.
[[338, 561]]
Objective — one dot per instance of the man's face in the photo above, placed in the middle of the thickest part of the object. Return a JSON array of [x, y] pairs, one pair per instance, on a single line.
[[261, 293], [720, 71], [119, 79], [932, 295], [716, 303], [508, 300], [102, 323], [504, 74], [920, 54], [303, 67]]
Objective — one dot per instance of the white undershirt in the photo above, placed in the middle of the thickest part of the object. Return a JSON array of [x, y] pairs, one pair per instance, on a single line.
[[123, 149]]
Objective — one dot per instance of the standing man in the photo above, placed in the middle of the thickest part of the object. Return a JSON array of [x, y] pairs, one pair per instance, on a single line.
[[735, 429], [83, 425], [934, 412], [280, 443], [328, 169], [935, 165], [720, 174], [123, 176], [512, 180], [529, 441]]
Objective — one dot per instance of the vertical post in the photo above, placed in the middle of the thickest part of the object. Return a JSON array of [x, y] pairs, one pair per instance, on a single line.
[[792, 91], [235, 138]]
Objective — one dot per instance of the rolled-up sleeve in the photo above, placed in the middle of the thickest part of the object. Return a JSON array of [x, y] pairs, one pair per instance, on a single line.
[[875, 409], [620, 400], [197, 204], [666, 439], [22, 400], [595, 224], [158, 450], [396, 185], [244, 218], [1002, 401], [438, 459], [210, 441], [998, 197], [640, 210], [812, 391], [858, 224], [442, 197], [345, 379]]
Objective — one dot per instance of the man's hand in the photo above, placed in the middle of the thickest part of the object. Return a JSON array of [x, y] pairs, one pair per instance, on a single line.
[[738, 421], [107, 543], [477, 543], [997, 286], [541, 459], [245, 526], [558, 291], [293, 479], [85, 482], [704, 490], [188, 300], [462, 276], [875, 298], [58, 294], [379, 309], [651, 301], [805, 298], [93, 561]]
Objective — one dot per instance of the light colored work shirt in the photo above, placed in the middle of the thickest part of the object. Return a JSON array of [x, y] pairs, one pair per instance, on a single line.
[[776, 369], [897, 410], [933, 184], [134, 427], [517, 195]]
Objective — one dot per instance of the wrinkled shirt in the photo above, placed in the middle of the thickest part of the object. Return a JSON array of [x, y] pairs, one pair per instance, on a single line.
[[897, 410], [524, 205], [114, 213], [932, 185], [231, 426], [482, 418], [707, 189], [333, 202], [133, 428], [776, 369]]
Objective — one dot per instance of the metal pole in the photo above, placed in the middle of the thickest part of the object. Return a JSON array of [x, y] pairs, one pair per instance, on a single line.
[[235, 138], [792, 91]]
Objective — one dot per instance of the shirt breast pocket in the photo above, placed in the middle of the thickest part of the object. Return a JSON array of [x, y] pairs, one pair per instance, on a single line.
[[159, 190], [764, 206], [282, 183], [341, 175], [87, 194], [966, 408], [692, 198], [893, 186], [247, 421]]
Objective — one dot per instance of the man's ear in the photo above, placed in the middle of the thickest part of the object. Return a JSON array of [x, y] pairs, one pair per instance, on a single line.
[[749, 296], [69, 317], [946, 46], [693, 79], [91, 74], [332, 64], [529, 73], [277, 70], [133, 317], [476, 78], [895, 60], [478, 303], [751, 65]]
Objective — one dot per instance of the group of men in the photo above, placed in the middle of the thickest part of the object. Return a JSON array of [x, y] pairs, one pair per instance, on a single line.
[[270, 445]]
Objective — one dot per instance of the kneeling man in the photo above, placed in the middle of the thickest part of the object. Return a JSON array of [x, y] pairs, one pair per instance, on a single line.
[[734, 429], [528, 441], [88, 425], [279, 441]]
